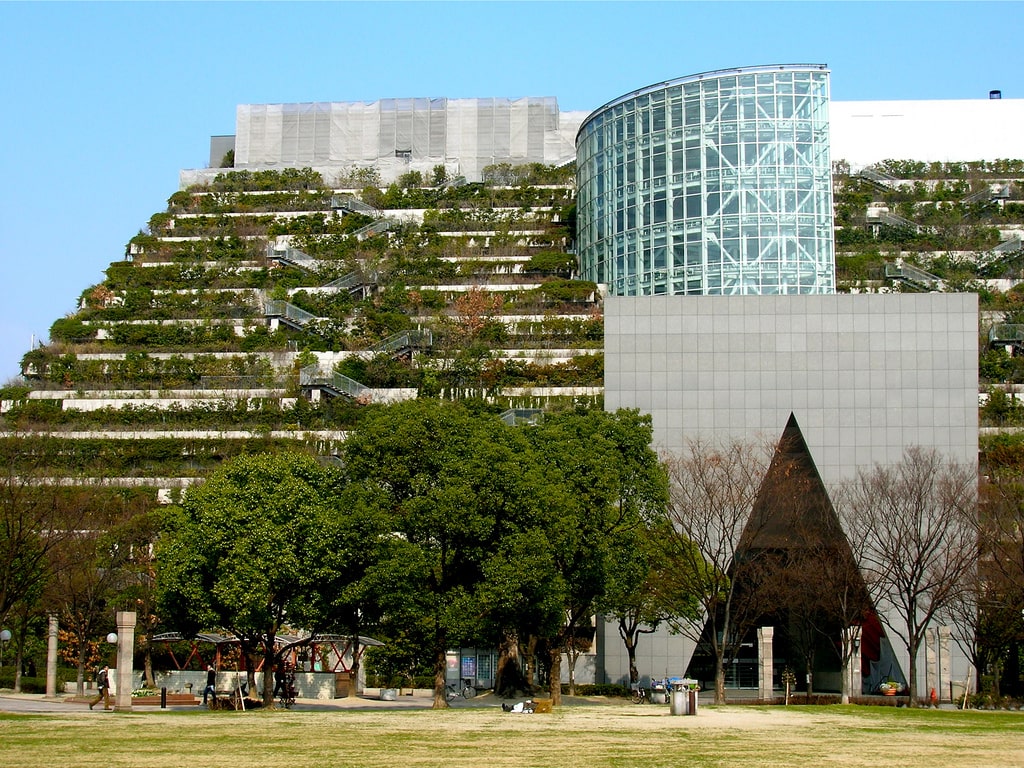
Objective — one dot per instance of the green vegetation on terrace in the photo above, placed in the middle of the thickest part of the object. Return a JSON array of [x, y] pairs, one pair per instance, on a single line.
[[137, 370], [153, 457], [256, 414]]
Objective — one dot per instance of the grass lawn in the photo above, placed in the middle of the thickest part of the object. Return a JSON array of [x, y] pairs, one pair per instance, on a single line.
[[591, 736]]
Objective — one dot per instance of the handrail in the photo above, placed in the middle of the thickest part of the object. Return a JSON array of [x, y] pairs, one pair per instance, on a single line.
[[1009, 246], [294, 256], [353, 204], [877, 176], [313, 376], [911, 274], [240, 382], [413, 339], [1006, 332], [351, 280], [894, 220], [373, 228], [277, 308]]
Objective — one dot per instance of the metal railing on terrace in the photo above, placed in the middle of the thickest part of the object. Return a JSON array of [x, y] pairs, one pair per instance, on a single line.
[[1010, 246], [353, 204], [911, 274], [373, 228], [420, 339], [287, 312], [312, 377], [1006, 333], [293, 256], [241, 382]]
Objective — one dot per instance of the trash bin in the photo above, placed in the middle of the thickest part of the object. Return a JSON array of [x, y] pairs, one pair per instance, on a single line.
[[680, 703], [691, 708]]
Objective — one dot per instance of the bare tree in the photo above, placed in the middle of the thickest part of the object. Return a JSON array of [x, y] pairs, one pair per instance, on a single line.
[[992, 610], [916, 524], [34, 515], [712, 493]]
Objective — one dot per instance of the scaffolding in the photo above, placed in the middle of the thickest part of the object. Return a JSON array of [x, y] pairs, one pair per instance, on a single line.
[[467, 133]]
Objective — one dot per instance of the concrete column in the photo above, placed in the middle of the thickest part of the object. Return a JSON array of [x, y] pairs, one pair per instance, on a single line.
[[125, 659], [766, 661], [945, 663], [852, 684], [51, 657]]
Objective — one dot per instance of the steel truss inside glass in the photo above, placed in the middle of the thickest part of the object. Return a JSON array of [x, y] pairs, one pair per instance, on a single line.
[[718, 183]]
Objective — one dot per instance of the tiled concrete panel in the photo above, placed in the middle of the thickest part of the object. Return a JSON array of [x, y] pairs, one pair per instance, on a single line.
[[866, 376]]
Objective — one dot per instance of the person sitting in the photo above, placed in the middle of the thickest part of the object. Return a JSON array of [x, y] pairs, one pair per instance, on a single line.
[[524, 707]]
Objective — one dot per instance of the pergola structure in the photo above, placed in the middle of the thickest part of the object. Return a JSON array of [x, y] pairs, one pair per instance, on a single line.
[[334, 652]]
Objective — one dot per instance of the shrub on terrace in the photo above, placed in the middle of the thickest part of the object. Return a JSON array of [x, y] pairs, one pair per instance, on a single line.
[[286, 178]]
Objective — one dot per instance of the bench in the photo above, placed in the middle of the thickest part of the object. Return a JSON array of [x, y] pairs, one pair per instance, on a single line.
[[173, 700]]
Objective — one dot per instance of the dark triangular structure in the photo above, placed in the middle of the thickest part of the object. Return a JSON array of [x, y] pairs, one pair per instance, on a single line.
[[794, 570]]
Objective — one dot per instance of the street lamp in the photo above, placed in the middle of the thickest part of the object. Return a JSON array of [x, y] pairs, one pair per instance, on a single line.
[[5, 637]]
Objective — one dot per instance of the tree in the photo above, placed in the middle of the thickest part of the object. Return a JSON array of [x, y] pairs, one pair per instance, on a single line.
[[994, 607], [604, 480], [917, 521], [522, 598], [644, 587], [90, 569], [713, 489], [245, 551], [452, 483], [34, 519]]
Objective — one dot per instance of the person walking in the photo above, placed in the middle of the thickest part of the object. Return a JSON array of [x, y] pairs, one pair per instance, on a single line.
[[211, 684], [103, 684]]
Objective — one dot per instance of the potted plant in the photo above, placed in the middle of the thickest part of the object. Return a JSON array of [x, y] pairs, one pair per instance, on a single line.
[[890, 687]]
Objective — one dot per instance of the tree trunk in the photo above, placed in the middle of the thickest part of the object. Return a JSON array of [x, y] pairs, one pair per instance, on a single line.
[[80, 677], [912, 674], [508, 677], [846, 659], [530, 664], [555, 674], [440, 664], [147, 658], [269, 663], [19, 656], [719, 677]]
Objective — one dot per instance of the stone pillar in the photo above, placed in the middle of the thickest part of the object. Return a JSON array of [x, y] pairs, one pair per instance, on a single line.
[[125, 660], [930, 667], [945, 663], [51, 657], [852, 684], [766, 663]]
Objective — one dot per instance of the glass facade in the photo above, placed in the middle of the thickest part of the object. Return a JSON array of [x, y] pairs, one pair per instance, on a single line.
[[719, 183]]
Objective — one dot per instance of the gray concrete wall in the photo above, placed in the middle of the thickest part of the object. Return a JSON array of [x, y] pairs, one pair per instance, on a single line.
[[867, 376]]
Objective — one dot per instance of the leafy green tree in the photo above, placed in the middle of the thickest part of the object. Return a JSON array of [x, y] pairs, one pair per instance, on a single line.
[[246, 550], [452, 482], [603, 479], [645, 587]]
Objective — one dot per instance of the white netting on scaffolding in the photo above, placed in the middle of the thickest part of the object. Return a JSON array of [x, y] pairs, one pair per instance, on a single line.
[[467, 134]]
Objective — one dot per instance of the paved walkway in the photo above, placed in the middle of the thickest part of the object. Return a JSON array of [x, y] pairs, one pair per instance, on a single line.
[[34, 703]]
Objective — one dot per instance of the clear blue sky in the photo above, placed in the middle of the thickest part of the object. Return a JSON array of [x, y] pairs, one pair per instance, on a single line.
[[103, 103]]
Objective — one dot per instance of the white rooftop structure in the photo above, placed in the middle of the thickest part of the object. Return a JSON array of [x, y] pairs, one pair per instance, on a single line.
[[465, 135], [961, 130], [398, 135]]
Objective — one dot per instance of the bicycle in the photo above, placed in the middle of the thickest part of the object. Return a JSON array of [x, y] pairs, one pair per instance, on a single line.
[[287, 687], [466, 691], [640, 695]]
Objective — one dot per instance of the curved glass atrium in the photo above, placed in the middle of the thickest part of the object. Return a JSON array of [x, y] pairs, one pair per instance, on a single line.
[[719, 183]]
